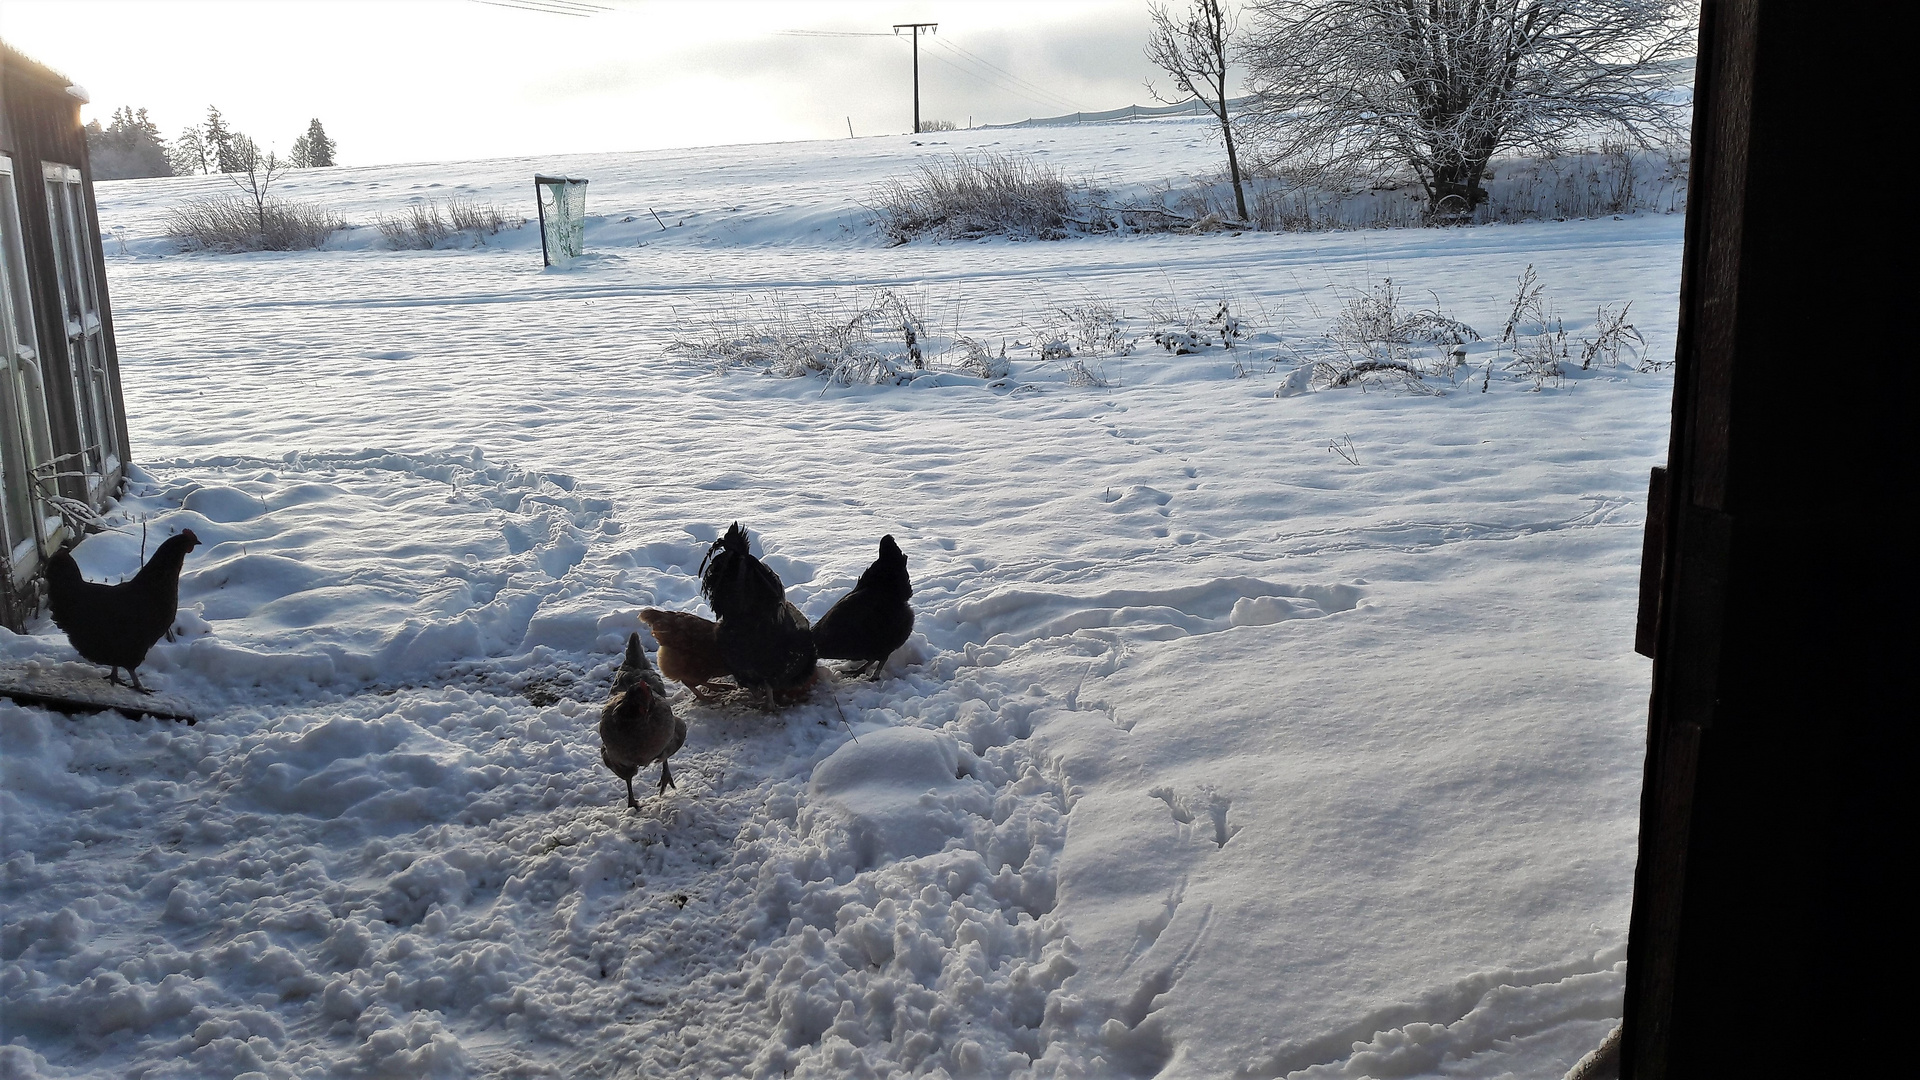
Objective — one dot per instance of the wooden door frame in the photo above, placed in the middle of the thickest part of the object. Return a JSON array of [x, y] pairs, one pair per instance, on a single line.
[[1769, 738]]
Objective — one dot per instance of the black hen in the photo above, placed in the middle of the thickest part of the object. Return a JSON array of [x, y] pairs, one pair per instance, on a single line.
[[874, 619], [116, 625], [765, 641]]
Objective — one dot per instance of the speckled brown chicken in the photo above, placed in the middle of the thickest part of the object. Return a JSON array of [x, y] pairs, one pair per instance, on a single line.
[[637, 726]]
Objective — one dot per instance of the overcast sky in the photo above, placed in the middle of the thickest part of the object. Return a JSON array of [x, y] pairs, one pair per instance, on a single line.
[[435, 80]]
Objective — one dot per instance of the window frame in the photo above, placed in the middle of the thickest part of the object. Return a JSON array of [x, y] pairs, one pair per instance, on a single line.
[[31, 532], [98, 454]]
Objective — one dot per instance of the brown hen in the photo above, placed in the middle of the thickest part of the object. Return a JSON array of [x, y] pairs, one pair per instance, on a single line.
[[689, 653]]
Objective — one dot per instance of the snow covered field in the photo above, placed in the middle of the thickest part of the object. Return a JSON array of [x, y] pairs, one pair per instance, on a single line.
[[1216, 752]]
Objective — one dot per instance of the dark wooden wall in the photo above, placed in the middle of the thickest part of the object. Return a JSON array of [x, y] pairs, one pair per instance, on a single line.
[[1761, 932], [40, 122], [43, 125]]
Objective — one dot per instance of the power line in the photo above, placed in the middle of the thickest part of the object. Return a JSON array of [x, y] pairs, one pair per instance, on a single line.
[[1036, 94], [1005, 87], [993, 76], [948, 44], [575, 8], [830, 33]]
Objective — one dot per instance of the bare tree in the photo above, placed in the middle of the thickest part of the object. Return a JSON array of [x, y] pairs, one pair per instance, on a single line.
[[253, 173], [1443, 85], [188, 154], [1193, 48]]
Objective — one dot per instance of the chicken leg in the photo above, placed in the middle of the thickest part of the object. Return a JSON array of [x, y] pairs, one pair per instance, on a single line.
[[133, 676]]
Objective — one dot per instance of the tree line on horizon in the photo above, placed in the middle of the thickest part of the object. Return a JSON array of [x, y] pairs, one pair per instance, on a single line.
[[131, 146]]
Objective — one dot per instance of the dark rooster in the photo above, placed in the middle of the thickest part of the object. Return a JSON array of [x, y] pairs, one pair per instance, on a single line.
[[764, 640], [637, 726], [874, 619], [689, 652], [116, 625]]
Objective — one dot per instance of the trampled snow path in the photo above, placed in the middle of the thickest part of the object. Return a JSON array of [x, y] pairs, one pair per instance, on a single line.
[[1214, 754]]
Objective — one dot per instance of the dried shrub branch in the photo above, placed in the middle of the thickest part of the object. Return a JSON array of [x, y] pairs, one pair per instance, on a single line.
[[235, 223], [426, 225], [989, 195]]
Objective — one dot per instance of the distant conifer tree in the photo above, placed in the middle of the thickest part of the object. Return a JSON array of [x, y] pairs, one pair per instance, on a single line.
[[313, 150], [130, 147], [223, 149]]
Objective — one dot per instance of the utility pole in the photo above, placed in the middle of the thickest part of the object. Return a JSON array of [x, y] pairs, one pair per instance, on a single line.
[[916, 27]]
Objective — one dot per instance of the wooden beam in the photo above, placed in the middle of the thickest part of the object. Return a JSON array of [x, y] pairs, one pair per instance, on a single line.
[[1767, 747]]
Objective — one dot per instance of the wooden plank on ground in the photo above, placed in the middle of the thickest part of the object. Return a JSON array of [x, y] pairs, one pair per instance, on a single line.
[[83, 688]]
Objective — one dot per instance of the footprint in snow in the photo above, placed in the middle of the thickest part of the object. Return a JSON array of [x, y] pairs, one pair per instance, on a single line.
[[1140, 497], [1199, 810]]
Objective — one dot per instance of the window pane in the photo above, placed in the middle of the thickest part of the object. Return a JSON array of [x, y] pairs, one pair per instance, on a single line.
[[18, 531]]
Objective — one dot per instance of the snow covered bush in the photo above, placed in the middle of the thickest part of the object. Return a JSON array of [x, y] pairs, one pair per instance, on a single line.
[[423, 226], [1380, 341], [1079, 375], [989, 195], [976, 358], [232, 223], [1614, 335], [1182, 329], [1227, 325], [849, 347], [1535, 333], [1180, 340], [482, 219], [417, 227], [1612, 177], [1095, 328], [884, 339]]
